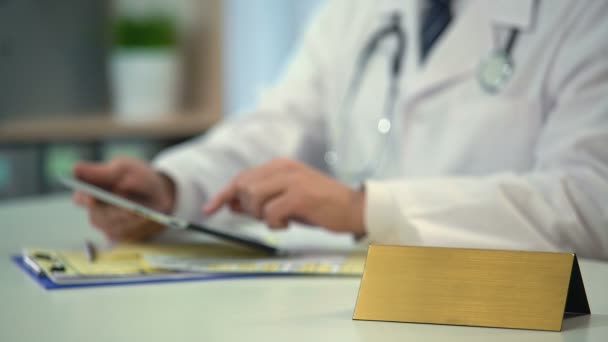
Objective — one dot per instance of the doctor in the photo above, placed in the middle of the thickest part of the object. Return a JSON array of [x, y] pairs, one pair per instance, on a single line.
[[472, 123]]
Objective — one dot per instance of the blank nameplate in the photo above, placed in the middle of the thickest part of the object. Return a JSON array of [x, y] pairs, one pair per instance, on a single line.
[[474, 287]]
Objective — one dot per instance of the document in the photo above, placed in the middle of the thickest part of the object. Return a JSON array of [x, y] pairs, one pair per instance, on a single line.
[[125, 263], [330, 264], [122, 262]]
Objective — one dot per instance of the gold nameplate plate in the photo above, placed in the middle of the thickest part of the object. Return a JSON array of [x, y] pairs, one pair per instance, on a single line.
[[475, 287]]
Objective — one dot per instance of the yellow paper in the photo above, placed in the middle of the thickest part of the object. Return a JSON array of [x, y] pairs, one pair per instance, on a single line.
[[131, 260]]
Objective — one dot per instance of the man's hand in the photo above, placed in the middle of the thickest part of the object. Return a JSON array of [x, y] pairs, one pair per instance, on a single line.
[[284, 190], [134, 180]]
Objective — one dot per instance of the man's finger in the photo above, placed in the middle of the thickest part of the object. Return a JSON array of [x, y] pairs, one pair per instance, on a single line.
[[225, 196], [251, 176], [142, 230], [103, 175], [278, 211], [235, 206], [82, 199], [253, 197]]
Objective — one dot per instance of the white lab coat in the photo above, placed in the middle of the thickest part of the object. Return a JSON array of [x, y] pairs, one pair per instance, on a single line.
[[523, 169]]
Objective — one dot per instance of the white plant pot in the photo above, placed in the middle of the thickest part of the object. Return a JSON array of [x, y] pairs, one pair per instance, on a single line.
[[144, 83]]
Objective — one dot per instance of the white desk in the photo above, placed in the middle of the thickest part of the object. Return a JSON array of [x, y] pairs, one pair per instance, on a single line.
[[259, 309]]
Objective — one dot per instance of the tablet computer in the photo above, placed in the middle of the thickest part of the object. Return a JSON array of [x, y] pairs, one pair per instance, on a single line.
[[164, 219]]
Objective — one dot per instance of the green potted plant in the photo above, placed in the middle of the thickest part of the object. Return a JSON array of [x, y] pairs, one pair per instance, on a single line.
[[144, 66]]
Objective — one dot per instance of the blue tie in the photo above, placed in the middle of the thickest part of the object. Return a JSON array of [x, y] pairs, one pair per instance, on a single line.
[[437, 16]]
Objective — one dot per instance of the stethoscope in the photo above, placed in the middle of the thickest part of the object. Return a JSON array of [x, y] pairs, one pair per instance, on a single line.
[[497, 68], [493, 74]]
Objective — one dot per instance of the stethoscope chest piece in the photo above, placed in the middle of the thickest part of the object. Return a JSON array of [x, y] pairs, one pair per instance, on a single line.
[[495, 71]]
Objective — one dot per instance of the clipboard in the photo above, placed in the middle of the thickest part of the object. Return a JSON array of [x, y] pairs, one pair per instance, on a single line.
[[123, 264], [48, 284], [126, 264], [167, 220]]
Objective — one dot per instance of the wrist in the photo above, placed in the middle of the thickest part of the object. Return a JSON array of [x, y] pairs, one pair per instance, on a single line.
[[357, 212]]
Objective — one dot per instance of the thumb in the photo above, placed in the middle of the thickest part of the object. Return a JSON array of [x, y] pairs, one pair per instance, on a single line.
[[104, 175]]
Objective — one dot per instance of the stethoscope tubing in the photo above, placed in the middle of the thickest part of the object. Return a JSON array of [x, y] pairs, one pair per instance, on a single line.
[[394, 28]]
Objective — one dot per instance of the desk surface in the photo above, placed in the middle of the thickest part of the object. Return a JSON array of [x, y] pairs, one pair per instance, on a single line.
[[277, 309]]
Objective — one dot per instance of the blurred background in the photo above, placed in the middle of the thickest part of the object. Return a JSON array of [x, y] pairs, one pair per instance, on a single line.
[[99, 78]]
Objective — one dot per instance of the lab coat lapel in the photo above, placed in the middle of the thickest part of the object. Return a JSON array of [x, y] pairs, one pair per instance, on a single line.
[[458, 51], [468, 40], [519, 13]]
